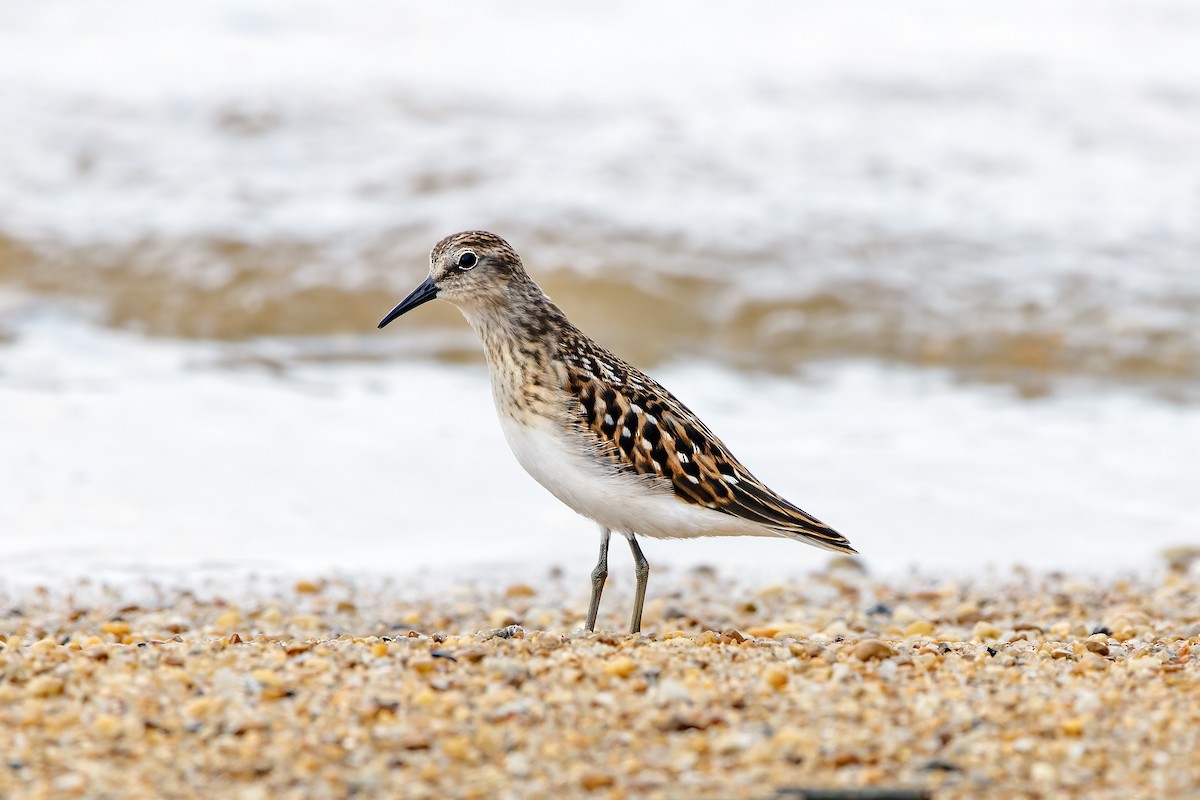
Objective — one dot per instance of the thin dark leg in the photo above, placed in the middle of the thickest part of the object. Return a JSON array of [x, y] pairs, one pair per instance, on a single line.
[[642, 571], [599, 576]]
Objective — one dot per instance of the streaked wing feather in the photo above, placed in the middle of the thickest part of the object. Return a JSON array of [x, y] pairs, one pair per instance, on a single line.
[[647, 431]]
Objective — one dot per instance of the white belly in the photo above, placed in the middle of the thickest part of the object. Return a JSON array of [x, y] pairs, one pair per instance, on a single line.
[[625, 503]]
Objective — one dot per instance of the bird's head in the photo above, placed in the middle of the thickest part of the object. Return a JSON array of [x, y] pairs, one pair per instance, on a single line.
[[473, 270]]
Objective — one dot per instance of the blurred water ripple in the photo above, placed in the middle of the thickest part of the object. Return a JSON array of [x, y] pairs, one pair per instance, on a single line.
[[1011, 195]]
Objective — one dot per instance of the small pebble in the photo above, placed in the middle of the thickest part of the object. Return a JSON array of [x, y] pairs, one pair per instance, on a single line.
[[44, 686], [731, 636], [591, 781], [873, 649], [621, 667], [919, 627], [115, 628], [776, 678], [504, 617]]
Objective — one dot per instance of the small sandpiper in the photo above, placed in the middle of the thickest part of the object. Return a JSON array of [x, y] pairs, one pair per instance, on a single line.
[[599, 434]]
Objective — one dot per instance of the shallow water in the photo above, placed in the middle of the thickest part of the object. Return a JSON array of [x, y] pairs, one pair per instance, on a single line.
[[161, 454], [1011, 195], [937, 283]]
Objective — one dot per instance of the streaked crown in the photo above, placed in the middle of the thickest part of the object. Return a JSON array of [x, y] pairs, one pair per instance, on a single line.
[[474, 267]]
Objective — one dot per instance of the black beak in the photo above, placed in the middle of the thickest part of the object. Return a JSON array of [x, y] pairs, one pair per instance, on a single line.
[[422, 294]]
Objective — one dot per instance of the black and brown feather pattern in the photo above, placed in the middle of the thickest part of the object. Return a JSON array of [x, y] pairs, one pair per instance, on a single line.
[[645, 430]]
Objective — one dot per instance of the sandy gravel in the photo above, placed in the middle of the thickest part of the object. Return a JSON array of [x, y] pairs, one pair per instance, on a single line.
[[1019, 685]]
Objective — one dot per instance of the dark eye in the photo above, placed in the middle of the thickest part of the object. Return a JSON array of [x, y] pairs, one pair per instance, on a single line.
[[467, 260]]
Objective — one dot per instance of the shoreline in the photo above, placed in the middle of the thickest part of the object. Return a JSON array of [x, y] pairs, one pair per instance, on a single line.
[[1037, 684]]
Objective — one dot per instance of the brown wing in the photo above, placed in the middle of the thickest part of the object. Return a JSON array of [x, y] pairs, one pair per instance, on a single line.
[[646, 430]]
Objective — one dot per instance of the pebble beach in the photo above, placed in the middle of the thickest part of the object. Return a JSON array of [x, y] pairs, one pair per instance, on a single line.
[[928, 269], [1013, 685]]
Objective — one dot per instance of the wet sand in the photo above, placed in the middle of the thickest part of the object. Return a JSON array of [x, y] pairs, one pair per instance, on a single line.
[[808, 185], [1020, 685]]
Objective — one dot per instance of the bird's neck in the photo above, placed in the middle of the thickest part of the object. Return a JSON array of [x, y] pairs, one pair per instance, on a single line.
[[520, 341]]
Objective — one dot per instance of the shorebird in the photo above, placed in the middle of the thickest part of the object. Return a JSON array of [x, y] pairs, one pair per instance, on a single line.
[[600, 435]]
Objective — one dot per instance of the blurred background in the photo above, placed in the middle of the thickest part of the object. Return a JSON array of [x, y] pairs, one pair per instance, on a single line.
[[930, 271]]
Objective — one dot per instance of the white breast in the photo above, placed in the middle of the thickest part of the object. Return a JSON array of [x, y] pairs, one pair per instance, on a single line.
[[626, 503]]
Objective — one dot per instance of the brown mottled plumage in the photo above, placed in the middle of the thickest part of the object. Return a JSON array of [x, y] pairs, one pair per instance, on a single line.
[[599, 434], [644, 428]]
